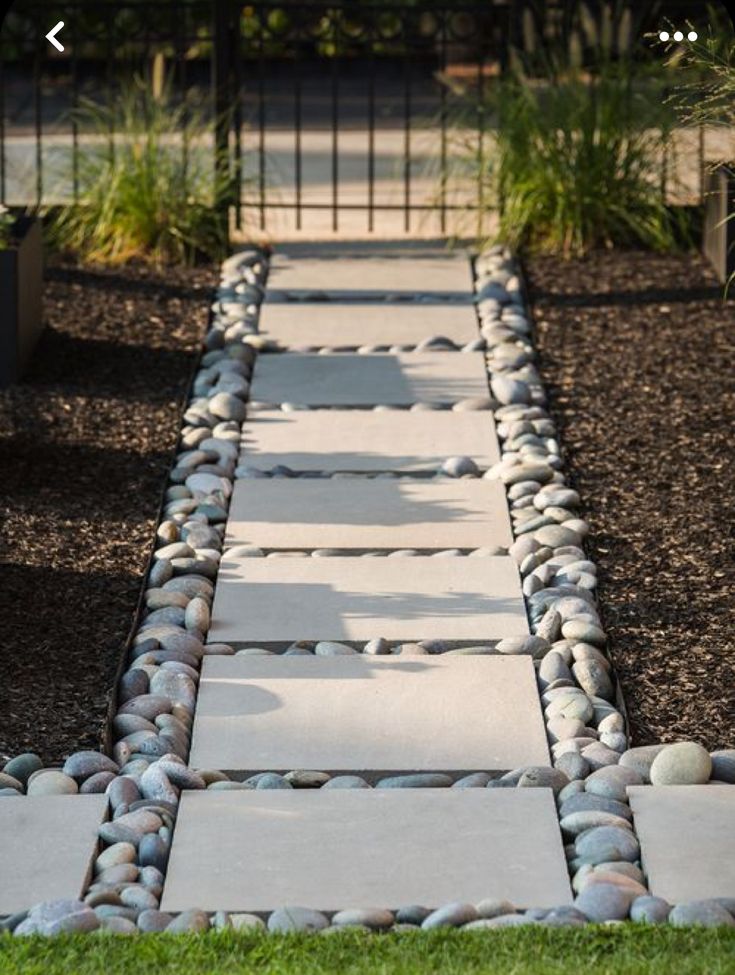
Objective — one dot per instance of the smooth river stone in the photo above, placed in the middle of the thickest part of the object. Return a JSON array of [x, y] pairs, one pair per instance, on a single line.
[[368, 514], [385, 714], [47, 847], [262, 601], [399, 379], [343, 847], [366, 440], [687, 839]]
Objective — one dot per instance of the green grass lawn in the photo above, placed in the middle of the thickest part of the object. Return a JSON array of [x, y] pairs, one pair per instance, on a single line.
[[621, 950]]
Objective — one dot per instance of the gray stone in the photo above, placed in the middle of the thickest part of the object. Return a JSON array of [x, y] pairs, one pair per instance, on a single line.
[[50, 782], [502, 843], [227, 407], [593, 679], [543, 777], [386, 714], [347, 782], [450, 916], [706, 913], [650, 909], [23, 766], [603, 843], [374, 918], [604, 902], [286, 919], [684, 763], [365, 440], [130, 827], [425, 780], [640, 759], [723, 765], [612, 782], [191, 920], [507, 390]]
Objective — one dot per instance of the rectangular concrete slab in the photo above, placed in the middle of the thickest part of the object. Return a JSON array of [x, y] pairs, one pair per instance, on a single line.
[[345, 379], [47, 846], [687, 839], [336, 848], [367, 513], [438, 277], [368, 714], [364, 440], [351, 325], [278, 600]]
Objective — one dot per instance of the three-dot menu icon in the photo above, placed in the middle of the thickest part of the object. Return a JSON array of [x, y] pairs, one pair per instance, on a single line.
[[677, 36]]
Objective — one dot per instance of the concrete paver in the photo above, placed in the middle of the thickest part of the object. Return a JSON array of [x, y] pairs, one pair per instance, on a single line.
[[687, 839], [369, 380], [350, 325], [47, 845], [368, 715], [353, 598], [363, 440], [441, 276], [368, 513], [329, 849]]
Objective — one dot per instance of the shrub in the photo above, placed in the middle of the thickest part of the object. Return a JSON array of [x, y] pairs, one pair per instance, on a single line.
[[578, 163], [153, 192]]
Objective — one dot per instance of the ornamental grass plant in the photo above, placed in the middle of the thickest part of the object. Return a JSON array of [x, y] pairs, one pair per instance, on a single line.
[[150, 191], [577, 149], [578, 162]]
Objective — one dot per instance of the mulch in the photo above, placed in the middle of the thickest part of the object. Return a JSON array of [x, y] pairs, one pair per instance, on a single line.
[[638, 355], [85, 443]]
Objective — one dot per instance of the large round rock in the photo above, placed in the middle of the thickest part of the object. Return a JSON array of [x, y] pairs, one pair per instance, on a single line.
[[685, 763]]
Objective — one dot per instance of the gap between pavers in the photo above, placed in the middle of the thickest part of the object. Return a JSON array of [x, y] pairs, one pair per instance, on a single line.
[[687, 837], [365, 514], [368, 715], [344, 379], [254, 851], [358, 441], [276, 601], [350, 325], [47, 847]]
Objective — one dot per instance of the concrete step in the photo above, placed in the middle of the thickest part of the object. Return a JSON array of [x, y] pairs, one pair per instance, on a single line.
[[368, 715], [687, 839], [351, 324], [366, 513], [47, 847], [367, 441], [369, 380], [326, 849], [279, 600], [443, 277]]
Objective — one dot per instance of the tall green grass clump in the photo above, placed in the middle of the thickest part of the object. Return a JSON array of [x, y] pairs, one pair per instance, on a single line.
[[148, 192], [578, 162]]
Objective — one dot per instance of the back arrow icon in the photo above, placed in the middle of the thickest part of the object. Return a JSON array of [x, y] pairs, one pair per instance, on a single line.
[[51, 36]]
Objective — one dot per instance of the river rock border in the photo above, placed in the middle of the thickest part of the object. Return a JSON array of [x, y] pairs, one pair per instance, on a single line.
[[585, 716]]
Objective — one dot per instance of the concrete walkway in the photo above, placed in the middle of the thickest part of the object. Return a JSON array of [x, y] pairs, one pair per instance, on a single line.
[[359, 714]]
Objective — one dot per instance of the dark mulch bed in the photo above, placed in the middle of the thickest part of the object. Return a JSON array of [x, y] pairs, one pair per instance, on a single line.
[[638, 354], [85, 444]]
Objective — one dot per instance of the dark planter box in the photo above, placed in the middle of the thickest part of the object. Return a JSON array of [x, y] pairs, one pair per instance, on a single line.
[[21, 283], [718, 238]]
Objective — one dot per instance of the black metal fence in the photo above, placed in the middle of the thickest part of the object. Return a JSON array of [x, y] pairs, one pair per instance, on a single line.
[[279, 71]]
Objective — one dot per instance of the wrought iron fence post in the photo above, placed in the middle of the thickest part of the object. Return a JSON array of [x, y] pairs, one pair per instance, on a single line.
[[222, 50]]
